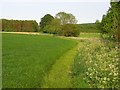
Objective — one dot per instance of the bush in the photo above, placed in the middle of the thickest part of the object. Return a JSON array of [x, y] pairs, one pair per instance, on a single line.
[[69, 30], [62, 30], [51, 29]]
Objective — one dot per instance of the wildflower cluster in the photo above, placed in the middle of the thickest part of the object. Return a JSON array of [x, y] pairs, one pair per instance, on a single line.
[[101, 66]]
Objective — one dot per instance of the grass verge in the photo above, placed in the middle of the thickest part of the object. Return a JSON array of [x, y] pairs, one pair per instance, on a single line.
[[60, 73], [89, 35]]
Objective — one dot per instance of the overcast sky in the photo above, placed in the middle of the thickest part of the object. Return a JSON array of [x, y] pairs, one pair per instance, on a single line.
[[85, 11]]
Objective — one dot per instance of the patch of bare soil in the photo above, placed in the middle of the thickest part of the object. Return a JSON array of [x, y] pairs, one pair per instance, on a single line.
[[34, 33]]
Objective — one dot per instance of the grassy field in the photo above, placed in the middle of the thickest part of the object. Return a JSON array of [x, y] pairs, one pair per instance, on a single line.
[[44, 61], [27, 58]]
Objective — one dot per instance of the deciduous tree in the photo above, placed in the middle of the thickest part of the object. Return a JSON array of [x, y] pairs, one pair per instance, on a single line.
[[46, 20], [111, 22], [66, 18]]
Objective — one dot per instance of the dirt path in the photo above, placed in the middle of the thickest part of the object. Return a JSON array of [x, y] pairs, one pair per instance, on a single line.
[[34, 33]]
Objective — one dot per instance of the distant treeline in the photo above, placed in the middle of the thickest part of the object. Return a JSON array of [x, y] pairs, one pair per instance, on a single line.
[[32, 26], [19, 25], [88, 28]]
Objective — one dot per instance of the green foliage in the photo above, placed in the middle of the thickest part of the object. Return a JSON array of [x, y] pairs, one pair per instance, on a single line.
[[53, 28], [60, 25], [26, 59], [110, 22], [66, 18], [69, 30], [97, 22], [98, 65], [102, 67], [88, 28], [79, 68], [46, 20], [19, 25]]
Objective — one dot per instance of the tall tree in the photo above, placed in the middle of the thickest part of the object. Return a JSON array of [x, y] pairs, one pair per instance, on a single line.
[[66, 18], [46, 20], [110, 21]]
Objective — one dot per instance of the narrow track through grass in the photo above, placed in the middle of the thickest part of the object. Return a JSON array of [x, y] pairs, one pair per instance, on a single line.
[[60, 73]]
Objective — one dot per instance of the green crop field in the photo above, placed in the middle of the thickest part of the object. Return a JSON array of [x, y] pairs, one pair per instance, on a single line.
[[27, 58], [60, 51], [46, 61]]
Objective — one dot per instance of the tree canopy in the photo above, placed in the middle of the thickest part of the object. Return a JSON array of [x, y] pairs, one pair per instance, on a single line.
[[62, 24], [53, 28], [46, 20], [111, 22], [19, 25], [66, 18]]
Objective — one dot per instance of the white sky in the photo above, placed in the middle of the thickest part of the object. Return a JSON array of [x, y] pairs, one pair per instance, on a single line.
[[55, 0], [85, 11]]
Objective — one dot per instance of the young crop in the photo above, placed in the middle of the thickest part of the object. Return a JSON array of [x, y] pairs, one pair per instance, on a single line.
[[26, 59]]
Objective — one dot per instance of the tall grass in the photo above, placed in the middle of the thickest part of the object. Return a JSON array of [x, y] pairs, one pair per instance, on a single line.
[[27, 58], [90, 35]]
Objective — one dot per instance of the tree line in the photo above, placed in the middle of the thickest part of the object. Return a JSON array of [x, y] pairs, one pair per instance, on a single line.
[[63, 24], [19, 25]]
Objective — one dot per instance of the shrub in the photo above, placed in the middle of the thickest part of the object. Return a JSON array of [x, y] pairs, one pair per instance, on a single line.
[[51, 29], [69, 30]]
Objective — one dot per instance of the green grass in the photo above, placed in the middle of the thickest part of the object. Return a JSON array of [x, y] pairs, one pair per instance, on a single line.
[[60, 74], [36, 61], [27, 58], [89, 35], [78, 69]]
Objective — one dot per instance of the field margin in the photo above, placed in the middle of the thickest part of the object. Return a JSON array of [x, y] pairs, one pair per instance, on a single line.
[[60, 74]]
